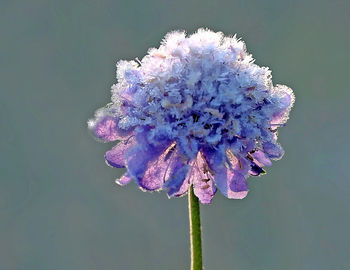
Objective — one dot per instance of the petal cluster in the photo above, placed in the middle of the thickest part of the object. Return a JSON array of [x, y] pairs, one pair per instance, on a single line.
[[195, 111]]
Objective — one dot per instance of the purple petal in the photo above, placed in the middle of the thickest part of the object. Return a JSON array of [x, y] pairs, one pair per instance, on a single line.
[[202, 180], [124, 180], [284, 104], [107, 130], [223, 178], [158, 170], [184, 187], [238, 183], [178, 170], [238, 163], [272, 150], [144, 166], [116, 156], [261, 159], [137, 160]]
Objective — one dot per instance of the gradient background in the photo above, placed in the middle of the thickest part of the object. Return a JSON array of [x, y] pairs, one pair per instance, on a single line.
[[59, 206]]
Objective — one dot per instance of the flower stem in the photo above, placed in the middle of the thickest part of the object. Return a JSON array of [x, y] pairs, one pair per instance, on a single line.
[[195, 230]]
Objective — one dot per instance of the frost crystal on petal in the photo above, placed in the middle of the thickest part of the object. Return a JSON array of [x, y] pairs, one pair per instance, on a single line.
[[199, 112]]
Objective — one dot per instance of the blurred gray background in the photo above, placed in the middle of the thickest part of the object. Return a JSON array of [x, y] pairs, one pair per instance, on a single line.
[[59, 205]]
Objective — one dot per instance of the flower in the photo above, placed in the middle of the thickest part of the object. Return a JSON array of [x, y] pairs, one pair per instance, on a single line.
[[196, 111]]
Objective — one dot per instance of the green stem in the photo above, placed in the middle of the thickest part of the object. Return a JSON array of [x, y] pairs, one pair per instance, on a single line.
[[195, 230]]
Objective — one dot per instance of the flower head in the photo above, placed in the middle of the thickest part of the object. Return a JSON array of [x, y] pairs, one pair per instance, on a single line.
[[196, 111]]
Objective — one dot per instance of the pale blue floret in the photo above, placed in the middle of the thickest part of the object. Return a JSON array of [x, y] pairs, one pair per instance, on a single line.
[[200, 95]]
